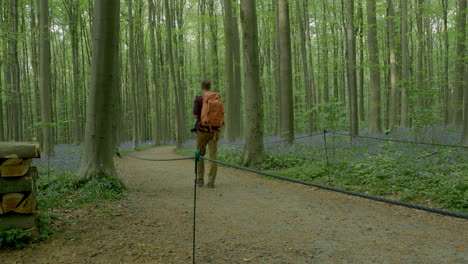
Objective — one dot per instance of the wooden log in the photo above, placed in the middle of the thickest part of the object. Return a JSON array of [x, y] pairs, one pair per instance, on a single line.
[[14, 150], [11, 162], [10, 201], [27, 206], [18, 221], [17, 184], [13, 171]]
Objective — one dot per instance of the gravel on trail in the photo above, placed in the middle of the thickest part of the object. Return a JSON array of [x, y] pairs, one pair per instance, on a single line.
[[245, 219]]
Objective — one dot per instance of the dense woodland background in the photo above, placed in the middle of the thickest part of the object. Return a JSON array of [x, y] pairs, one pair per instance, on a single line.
[[341, 65]]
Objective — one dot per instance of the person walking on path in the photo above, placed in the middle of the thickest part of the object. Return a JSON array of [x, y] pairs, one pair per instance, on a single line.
[[208, 109]]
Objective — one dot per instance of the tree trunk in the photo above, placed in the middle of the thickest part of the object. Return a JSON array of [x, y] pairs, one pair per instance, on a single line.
[[374, 67], [420, 85], [98, 150], [154, 62], [445, 87], [236, 131], [228, 71], [178, 120], [305, 64], [287, 109], [460, 62], [44, 78], [405, 62], [326, 85], [362, 112], [133, 76], [393, 104], [351, 69], [253, 149]]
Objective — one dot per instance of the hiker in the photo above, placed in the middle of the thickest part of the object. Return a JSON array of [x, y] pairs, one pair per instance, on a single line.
[[208, 109]]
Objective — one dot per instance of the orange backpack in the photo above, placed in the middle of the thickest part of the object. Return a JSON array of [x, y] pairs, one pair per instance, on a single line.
[[212, 116]]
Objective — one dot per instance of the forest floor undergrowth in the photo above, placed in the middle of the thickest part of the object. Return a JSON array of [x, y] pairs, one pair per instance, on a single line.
[[245, 219]]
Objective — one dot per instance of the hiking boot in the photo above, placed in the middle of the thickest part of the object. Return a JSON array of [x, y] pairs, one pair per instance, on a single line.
[[200, 183], [210, 185]]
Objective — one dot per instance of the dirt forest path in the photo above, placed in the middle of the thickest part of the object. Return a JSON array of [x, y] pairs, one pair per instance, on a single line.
[[245, 219]]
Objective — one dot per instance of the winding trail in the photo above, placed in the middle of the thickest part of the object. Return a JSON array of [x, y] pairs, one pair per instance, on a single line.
[[245, 219]]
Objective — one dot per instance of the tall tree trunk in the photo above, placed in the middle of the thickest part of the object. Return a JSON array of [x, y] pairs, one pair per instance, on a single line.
[[393, 103], [237, 80], [44, 78], [351, 69], [305, 64], [229, 71], [214, 42], [178, 120], [362, 112], [405, 62], [287, 109], [253, 149], [445, 87], [459, 82], [98, 150], [154, 62], [326, 85], [72, 9], [420, 85], [374, 67], [133, 76]]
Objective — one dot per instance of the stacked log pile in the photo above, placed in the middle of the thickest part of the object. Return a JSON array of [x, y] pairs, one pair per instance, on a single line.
[[18, 186]]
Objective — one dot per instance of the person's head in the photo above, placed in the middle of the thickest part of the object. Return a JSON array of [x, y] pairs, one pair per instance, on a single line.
[[205, 85]]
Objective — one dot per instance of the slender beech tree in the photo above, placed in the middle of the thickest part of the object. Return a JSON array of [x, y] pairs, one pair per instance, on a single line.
[[305, 62], [98, 150], [179, 122], [393, 100], [287, 109], [44, 78], [133, 76], [459, 81], [374, 68], [351, 69], [405, 66], [236, 131], [229, 71], [72, 8], [253, 148], [154, 79]]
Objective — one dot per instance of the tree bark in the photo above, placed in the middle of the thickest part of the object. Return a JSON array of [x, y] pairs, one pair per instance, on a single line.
[[351, 69], [44, 78], [178, 120], [237, 80], [374, 68], [459, 82], [154, 62], [405, 62], [229, 71], [305, 64], [253, 149], [133, 76], [287, 109], [98, 150], [393, 102]]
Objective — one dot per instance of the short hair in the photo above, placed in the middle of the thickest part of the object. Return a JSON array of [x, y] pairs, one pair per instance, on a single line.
[[206, 85]]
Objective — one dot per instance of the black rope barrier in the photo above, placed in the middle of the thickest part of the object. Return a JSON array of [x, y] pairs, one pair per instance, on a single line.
[[363, 195], [281, 141], [174, 159], [401, 141]]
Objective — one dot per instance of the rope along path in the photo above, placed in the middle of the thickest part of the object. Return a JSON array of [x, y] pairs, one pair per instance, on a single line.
[[400, 141], [363, 195], [325, 187]]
